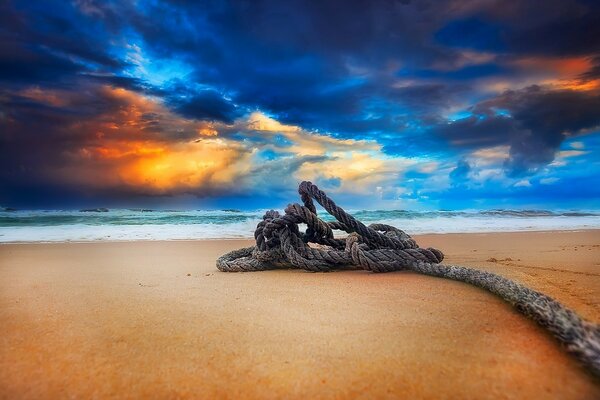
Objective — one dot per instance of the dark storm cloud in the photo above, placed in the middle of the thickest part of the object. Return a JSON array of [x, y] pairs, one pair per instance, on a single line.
[[25, 66], [459, 174], [42, 44], [125, 82], [472, 33], [545, 119], [206, 105], [556, 28], [533, 122], [478, 131], [572, 30], [594, 71]]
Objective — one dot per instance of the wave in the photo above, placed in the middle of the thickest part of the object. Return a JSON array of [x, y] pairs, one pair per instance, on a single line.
[[229, 216], [141, 224]]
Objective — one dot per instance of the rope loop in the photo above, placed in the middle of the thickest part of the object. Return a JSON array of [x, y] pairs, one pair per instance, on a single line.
[[385, 248]]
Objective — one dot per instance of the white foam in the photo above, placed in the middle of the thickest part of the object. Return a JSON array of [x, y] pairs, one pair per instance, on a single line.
[[86, 233], [461, 224], [245, 229]]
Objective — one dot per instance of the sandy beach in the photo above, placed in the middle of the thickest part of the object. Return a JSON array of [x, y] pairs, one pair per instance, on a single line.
[[157, 320]]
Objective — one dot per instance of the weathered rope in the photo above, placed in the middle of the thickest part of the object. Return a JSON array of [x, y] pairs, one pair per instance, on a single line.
[[384, 248]]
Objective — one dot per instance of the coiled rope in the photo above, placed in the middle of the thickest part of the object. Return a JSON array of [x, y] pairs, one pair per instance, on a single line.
[[384, 248]]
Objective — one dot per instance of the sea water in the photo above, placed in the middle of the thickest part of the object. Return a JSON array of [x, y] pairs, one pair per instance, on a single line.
[[115, 225]]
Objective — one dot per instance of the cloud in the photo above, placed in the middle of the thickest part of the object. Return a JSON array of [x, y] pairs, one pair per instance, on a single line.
[[477, 131], [594, 72], [38, 46], [533, 121], [219, 98], [545, 118], [105, 139], [549, 181], [459, 174], [523, 183], [559, 28], [206, 105]]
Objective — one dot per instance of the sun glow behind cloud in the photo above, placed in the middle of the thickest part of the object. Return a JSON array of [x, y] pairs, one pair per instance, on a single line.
[[132, 146]]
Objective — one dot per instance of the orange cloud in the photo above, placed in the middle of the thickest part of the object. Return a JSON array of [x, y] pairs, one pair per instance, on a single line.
[[187, 167], [560, 67], [556, 72], [136, 144], [306, 143], [53, 98]]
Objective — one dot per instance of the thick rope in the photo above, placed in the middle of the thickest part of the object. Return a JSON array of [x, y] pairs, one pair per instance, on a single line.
[[384, 248]]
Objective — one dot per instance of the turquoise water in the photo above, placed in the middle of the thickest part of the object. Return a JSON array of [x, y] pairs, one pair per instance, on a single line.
[[57, 225]]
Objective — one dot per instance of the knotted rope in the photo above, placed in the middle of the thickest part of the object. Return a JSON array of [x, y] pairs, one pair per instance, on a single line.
[[384, 248]]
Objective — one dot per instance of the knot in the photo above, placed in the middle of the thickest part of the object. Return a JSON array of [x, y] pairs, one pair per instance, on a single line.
[[317, 229], [279, 242], [385, 248]]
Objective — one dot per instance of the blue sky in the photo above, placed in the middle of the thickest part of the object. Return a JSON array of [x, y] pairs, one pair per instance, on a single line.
[[230, 104]]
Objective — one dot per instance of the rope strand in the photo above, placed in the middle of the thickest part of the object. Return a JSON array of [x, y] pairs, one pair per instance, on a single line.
[[384, 248]]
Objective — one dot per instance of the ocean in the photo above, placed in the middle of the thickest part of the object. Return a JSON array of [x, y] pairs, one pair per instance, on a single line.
[[116, 225]]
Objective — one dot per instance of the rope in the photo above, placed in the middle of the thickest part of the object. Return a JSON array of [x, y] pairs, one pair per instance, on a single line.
[[384, 248]]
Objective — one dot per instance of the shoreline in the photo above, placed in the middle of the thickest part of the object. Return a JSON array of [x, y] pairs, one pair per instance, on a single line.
[[157, 319], [416, 235]]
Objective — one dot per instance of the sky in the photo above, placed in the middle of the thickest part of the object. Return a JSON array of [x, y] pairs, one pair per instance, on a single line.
[[230, 104]]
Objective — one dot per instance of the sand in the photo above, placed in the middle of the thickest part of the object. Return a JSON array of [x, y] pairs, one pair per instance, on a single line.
[[157, 320]]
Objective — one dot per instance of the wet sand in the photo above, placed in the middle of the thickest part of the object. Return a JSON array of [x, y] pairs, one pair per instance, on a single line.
[[157, 320]]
